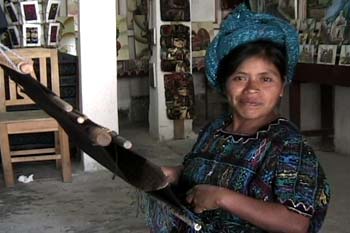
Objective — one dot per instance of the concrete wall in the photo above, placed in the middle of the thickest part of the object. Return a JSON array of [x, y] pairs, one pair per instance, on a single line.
[[342, 120], [310, 104], [98, 68]]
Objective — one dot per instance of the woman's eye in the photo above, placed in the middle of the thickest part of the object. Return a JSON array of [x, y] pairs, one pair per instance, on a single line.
[[267, 79], [238, 78]]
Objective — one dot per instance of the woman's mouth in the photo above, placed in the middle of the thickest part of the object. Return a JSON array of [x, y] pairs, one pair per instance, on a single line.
[[251, 103]]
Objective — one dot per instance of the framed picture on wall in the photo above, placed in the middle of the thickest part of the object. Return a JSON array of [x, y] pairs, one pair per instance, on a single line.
[[202, 34], [14, 36], [175, 48], [326, 54], [344, 59], [307, 53], [175, 10], [12, 12], [53, 33], [52, 10], [31, 35], [30, 12], [141, 37], [179, 96]]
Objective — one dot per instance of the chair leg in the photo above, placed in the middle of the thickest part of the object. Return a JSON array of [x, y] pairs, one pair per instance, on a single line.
[[65, 154], [6, 156], [57, 149]]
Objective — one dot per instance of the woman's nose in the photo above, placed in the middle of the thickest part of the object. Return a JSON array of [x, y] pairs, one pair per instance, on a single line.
[[252, 86]]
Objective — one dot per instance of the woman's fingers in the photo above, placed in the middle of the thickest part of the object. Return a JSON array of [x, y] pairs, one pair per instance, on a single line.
[[203, 197], [199, 210], [172, 173], [189, 196]]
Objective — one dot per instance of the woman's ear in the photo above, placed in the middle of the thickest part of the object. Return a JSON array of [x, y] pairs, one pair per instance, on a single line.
[[283, 87]]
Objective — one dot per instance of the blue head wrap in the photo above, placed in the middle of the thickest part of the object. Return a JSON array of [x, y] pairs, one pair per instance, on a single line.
[[243, 26]]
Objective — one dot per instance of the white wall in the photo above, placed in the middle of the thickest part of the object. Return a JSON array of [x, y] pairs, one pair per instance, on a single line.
[[342, 120], [98, 66]]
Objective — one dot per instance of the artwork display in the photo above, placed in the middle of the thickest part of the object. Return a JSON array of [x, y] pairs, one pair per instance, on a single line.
[[326, 54], [12, 13], [122, 39], [14, 36], [141, 36], [175, 51], [33, 22], [31, 35], [344, 58], [202, 34], [30, 12], [334, 19], [307, 53], [179, 96], [317, 9], [53, 33], [135, 7], [175, 10], [52, 10]]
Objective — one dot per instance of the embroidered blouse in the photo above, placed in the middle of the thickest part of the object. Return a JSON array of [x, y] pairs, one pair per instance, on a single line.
[[274, 165]]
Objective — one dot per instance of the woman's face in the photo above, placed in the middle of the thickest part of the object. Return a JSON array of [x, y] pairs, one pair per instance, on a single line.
[[254, 89]]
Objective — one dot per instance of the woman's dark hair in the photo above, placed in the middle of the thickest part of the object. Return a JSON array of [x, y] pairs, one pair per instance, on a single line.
[[271, 51]]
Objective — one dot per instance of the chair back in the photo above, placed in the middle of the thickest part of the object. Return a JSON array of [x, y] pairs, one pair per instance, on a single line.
[[45, 71]]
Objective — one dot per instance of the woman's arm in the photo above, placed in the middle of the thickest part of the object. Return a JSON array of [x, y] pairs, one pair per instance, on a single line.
[[272, 217]]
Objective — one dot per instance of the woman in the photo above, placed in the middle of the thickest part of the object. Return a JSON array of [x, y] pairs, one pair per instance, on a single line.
[[251, 170]]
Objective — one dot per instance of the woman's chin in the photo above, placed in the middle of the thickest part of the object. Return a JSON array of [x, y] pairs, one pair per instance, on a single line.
[[252, 114]]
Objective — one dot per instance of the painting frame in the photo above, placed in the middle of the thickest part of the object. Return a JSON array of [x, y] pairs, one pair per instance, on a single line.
[[30, 40], [307, 53], [12, 13], [327, 54], [344, 57], [52, 10], [53, 34], [14, 36], [30, 12], [202, 34], [175, 11]]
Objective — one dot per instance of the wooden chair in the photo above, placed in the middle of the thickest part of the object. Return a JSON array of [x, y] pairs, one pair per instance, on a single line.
[[31, 121]]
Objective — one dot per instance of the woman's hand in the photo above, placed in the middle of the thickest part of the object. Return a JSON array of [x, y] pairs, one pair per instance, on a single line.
[[273, 217], [172, 173], [204, 197]]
